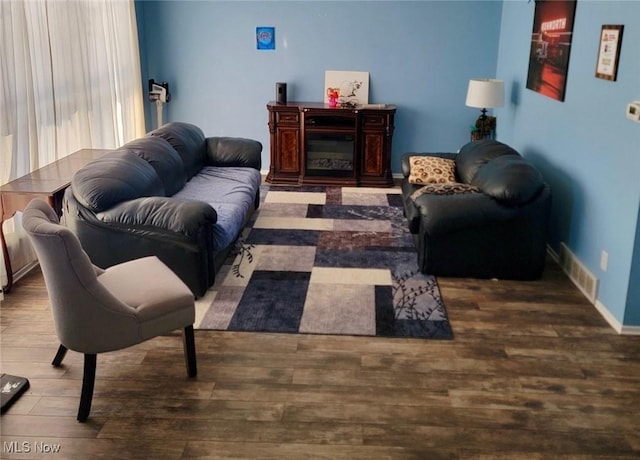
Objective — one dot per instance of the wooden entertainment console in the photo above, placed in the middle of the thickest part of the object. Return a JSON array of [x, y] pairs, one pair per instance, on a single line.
[[312, 143]]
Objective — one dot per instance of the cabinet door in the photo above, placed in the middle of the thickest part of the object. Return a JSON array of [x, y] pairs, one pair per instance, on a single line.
[[373, 153], [375, 159], [284, 127], [288, 157]]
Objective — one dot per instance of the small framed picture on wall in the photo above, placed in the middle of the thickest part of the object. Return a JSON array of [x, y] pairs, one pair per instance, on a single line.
[[266, 38], [609, 52]]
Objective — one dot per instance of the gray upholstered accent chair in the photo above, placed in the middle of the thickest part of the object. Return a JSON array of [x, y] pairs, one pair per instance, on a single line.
[[97, 311]]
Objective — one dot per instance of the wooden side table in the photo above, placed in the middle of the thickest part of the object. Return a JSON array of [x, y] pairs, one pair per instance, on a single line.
[[48, 183]]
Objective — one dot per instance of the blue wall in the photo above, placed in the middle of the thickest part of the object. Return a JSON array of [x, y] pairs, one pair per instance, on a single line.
[[420, 55], [585, 147]]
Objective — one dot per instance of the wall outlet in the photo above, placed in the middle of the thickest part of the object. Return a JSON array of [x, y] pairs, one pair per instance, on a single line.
[[604, 260]]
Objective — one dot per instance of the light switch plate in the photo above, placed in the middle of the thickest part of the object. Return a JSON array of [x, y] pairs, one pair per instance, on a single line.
[[633, 111]]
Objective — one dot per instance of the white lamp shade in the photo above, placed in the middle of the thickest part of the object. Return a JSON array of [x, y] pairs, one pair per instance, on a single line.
[[485, 93]]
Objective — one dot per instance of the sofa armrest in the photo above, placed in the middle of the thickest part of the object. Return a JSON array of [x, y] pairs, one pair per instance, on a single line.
[[404, 160], [169, 216], [234, 151], [178, 232]]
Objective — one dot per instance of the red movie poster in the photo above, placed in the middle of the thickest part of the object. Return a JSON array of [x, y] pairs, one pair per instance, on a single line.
[[550, 47]]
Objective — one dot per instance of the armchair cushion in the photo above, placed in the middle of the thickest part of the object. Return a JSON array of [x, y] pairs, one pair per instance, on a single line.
[[161, 300], [509, 179], [473, 155]]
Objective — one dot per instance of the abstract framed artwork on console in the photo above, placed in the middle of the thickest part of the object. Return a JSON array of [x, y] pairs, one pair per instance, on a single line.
[[351, 88]]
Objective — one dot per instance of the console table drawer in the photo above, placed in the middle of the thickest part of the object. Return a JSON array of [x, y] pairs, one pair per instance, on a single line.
[[288, 117], [374, 120]]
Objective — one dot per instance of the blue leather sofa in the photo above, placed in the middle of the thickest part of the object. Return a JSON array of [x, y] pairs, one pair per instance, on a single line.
[[174, 194]]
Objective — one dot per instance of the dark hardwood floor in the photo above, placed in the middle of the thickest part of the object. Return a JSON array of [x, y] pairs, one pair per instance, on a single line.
[[533, 372]]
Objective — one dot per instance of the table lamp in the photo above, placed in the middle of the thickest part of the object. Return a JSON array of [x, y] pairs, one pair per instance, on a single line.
[[485, 93]]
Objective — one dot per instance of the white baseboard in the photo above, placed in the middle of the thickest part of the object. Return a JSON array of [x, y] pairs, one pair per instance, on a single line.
[[606, 314], [600, 307], [614, 323], [20, 273], [630, 330]]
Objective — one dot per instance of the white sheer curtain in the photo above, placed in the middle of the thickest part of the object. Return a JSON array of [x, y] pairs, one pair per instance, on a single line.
[[71, 79]]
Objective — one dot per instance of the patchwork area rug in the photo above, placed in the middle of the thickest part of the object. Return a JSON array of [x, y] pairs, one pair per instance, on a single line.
[[326, 260]]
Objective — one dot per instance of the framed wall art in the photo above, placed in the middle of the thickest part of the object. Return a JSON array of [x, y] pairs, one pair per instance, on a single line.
[[609, 52], [346, 87], [266, 38], [550, 47]]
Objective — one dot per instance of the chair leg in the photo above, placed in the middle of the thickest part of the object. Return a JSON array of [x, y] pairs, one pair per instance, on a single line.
[[190, 351], [62, 352], [88, 381]]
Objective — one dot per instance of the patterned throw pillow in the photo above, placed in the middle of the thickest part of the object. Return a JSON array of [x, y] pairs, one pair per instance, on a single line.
[[431, 170], [445, 189]]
